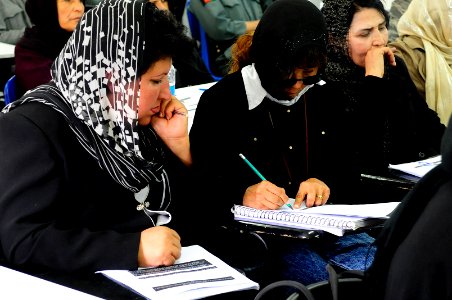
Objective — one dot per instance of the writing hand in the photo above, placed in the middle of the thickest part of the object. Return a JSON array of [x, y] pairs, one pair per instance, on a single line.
[[159, 246], [313, 191], [265, 195]]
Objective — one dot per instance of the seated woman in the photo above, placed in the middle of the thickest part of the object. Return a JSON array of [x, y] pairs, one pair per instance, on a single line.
[[386, 119], [91, 161], [273, 110], [53, 23]]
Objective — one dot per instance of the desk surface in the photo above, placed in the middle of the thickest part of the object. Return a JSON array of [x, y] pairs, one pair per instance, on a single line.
[[57, 286], [6, 50], [19, 285], [189, 96]]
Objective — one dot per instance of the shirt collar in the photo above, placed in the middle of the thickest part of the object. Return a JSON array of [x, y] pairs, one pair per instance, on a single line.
[[255, 93], [253, 88]]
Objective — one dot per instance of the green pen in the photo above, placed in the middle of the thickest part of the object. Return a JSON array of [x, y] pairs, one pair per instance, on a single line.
[[257, 172]]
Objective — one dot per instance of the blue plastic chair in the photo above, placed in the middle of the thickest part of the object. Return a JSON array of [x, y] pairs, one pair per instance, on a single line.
[[10, 90], [199, 34]]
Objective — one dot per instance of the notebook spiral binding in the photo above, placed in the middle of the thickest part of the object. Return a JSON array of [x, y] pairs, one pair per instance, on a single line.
[[287, 216]]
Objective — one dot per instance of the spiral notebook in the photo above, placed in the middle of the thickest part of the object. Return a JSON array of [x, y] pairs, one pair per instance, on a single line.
[[335, 219]]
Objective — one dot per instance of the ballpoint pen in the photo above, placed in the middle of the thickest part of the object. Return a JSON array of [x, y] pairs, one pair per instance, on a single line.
[[257, 172]]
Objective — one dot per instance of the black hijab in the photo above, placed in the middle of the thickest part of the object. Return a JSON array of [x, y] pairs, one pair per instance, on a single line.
[[277, 52], [340, 67]]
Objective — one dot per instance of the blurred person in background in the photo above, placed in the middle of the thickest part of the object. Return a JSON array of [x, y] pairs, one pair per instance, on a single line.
[[13, 20], [224, 21], [53, 23], [190, 68], [425, 45]]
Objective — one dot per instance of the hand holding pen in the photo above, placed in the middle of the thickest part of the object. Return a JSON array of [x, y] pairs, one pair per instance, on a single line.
[[264, 195]]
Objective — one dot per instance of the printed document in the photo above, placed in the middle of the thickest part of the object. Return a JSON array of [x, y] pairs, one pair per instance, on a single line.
[[196, 274]]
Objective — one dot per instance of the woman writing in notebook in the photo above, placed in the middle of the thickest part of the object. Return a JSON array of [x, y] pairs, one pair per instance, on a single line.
[[273, 111]]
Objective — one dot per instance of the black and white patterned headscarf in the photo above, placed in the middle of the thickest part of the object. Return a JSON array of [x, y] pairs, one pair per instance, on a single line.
[[104, 54]]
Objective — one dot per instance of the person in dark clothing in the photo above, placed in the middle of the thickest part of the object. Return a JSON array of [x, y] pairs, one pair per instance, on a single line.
[[387, 121], [275, 111], [94, 160], [224, 21], [190, 68], [413, 259], [53, 23]]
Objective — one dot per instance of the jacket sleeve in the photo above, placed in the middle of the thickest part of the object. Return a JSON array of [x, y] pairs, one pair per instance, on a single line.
[[31, 210], [11, 36], [214, 142], [13, 21]]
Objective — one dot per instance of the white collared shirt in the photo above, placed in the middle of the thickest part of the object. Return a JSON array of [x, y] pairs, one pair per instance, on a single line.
[[255, 93]]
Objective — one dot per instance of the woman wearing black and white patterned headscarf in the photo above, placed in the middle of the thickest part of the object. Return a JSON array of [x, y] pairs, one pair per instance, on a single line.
[[87, 159]]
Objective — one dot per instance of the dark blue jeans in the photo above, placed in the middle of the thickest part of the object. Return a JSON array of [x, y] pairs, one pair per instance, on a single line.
[[305, 260]]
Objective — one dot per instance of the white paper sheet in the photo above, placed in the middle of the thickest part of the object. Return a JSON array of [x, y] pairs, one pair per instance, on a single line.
[[196, 274], [418, 168]]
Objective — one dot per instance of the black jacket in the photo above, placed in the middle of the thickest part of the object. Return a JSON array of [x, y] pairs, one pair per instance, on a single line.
[[387, 121], [330, 139], [286, 144], [58, 209]]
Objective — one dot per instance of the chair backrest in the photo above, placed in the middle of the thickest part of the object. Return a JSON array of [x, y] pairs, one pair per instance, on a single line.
[[10, 90], [198, 33]]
